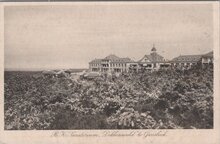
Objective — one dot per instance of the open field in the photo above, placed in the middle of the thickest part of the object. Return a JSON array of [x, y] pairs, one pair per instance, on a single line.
[[166, 99]]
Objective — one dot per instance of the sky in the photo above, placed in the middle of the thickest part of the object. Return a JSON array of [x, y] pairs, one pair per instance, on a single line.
[[69, 36]]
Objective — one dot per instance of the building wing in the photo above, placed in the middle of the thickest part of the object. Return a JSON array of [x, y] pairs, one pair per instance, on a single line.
[[110, 63], [186, 58], [210, 55]]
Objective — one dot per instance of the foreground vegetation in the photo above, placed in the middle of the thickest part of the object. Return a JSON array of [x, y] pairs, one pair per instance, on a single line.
[[166, 99]]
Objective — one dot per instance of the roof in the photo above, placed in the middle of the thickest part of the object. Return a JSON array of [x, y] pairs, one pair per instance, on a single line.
[[113, 59], [153, 49], [153, 57], [210, 54], [187, 58], [96, 61], [122, 60]]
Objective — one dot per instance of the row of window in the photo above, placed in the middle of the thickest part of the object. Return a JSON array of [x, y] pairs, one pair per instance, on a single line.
[[95, 64], [111, 65], [118, 65], [124, 64], [106, 69], [182, 64]]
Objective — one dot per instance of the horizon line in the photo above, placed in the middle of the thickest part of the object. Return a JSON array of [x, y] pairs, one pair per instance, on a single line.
[[38, 69]]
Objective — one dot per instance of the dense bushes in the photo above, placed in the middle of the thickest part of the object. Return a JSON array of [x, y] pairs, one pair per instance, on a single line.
[[140, 100]]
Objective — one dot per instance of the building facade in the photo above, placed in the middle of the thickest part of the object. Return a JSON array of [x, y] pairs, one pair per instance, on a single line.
[[185, 61], [111, 63], [153, 61], [207, 58]]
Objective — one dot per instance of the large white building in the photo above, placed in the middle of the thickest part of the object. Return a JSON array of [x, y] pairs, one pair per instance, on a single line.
[[111, 63], [153, 61]]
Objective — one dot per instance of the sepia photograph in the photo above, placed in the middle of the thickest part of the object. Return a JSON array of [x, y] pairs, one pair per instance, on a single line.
[[109, 66]]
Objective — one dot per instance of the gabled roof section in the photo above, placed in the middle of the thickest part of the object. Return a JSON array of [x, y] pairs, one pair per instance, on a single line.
[[116, 59], [153, 57], [187, 58], [145, 57], [210, 54], [112, 57]]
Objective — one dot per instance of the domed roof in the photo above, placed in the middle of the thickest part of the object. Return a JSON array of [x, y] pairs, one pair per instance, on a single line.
[[153, 49]]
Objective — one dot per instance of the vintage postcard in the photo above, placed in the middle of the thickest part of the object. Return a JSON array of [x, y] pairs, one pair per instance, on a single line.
[[109, 72]]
